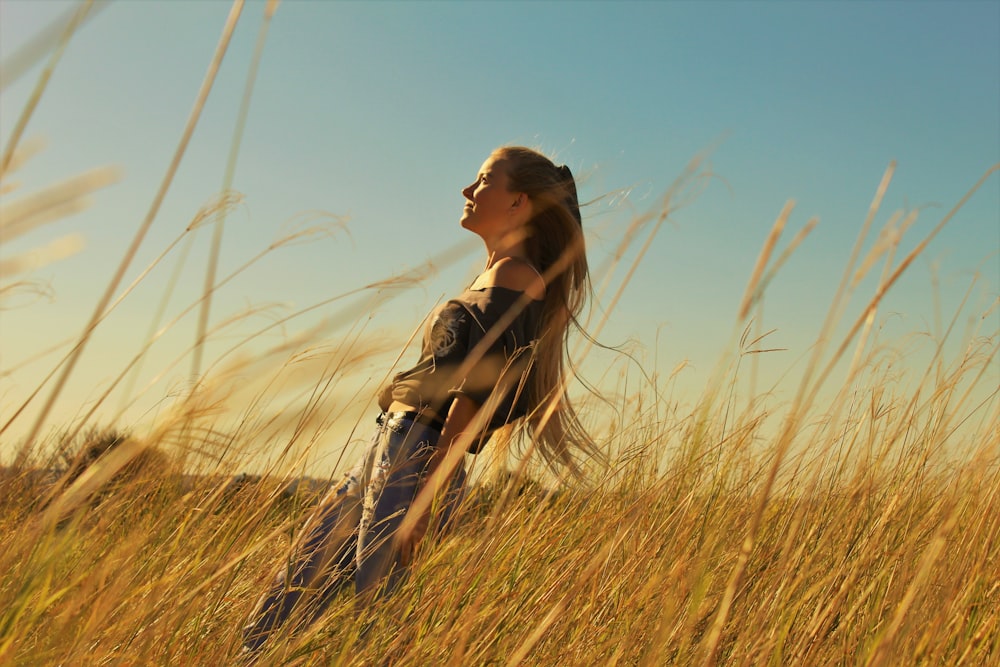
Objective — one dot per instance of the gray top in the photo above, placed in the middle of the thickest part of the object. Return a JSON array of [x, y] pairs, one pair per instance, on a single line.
[[452, 335]]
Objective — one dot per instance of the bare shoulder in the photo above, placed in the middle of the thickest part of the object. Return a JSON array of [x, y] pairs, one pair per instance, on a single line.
[[518, 275]]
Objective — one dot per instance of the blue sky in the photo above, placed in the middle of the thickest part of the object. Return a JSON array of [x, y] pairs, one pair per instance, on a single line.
[[382, 112]]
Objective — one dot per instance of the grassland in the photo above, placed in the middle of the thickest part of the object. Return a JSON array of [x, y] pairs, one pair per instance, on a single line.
[[876, 551]]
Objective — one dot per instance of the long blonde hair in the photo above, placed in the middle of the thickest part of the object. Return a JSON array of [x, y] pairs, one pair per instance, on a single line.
[[554, 243]]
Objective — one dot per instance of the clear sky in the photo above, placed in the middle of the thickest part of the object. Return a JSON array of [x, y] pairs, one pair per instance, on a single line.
[[381, 112]]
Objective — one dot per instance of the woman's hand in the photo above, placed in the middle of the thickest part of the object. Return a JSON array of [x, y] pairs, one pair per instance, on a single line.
[[409, 536]]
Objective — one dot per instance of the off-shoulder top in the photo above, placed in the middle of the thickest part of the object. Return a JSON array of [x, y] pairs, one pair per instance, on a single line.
[[480, 340]]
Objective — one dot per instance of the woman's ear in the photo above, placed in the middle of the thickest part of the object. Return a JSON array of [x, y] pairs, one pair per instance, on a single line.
[[520, 208]]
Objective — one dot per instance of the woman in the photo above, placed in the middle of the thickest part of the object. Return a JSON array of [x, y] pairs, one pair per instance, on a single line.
[[492, 357]]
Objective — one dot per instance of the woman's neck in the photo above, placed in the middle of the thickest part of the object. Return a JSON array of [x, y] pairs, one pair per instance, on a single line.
[[509, 245], [494, 258]]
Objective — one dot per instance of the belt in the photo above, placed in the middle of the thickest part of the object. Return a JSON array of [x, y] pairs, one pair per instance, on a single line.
[[433, 421]]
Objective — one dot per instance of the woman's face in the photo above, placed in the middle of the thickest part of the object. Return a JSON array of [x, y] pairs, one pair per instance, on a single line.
[[491, 209]]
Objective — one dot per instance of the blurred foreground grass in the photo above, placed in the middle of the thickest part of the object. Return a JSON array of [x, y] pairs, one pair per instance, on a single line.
[[883, 554]]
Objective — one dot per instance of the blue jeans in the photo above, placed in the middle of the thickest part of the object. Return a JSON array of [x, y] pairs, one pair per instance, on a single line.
[[349, 535]]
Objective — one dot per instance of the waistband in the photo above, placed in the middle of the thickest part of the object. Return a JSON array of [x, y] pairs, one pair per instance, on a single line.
[[433, 421]]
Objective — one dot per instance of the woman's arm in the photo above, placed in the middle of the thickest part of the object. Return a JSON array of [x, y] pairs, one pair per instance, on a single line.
[[463, 422], [458, 431]]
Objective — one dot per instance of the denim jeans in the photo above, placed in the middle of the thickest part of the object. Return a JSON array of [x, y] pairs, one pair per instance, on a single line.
[[348, 537]]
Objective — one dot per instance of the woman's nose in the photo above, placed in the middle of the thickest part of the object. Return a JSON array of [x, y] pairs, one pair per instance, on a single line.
[[467, 192]]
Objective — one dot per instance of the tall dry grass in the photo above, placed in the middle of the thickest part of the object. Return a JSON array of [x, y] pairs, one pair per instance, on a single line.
[[874, 547], [856, 523]]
